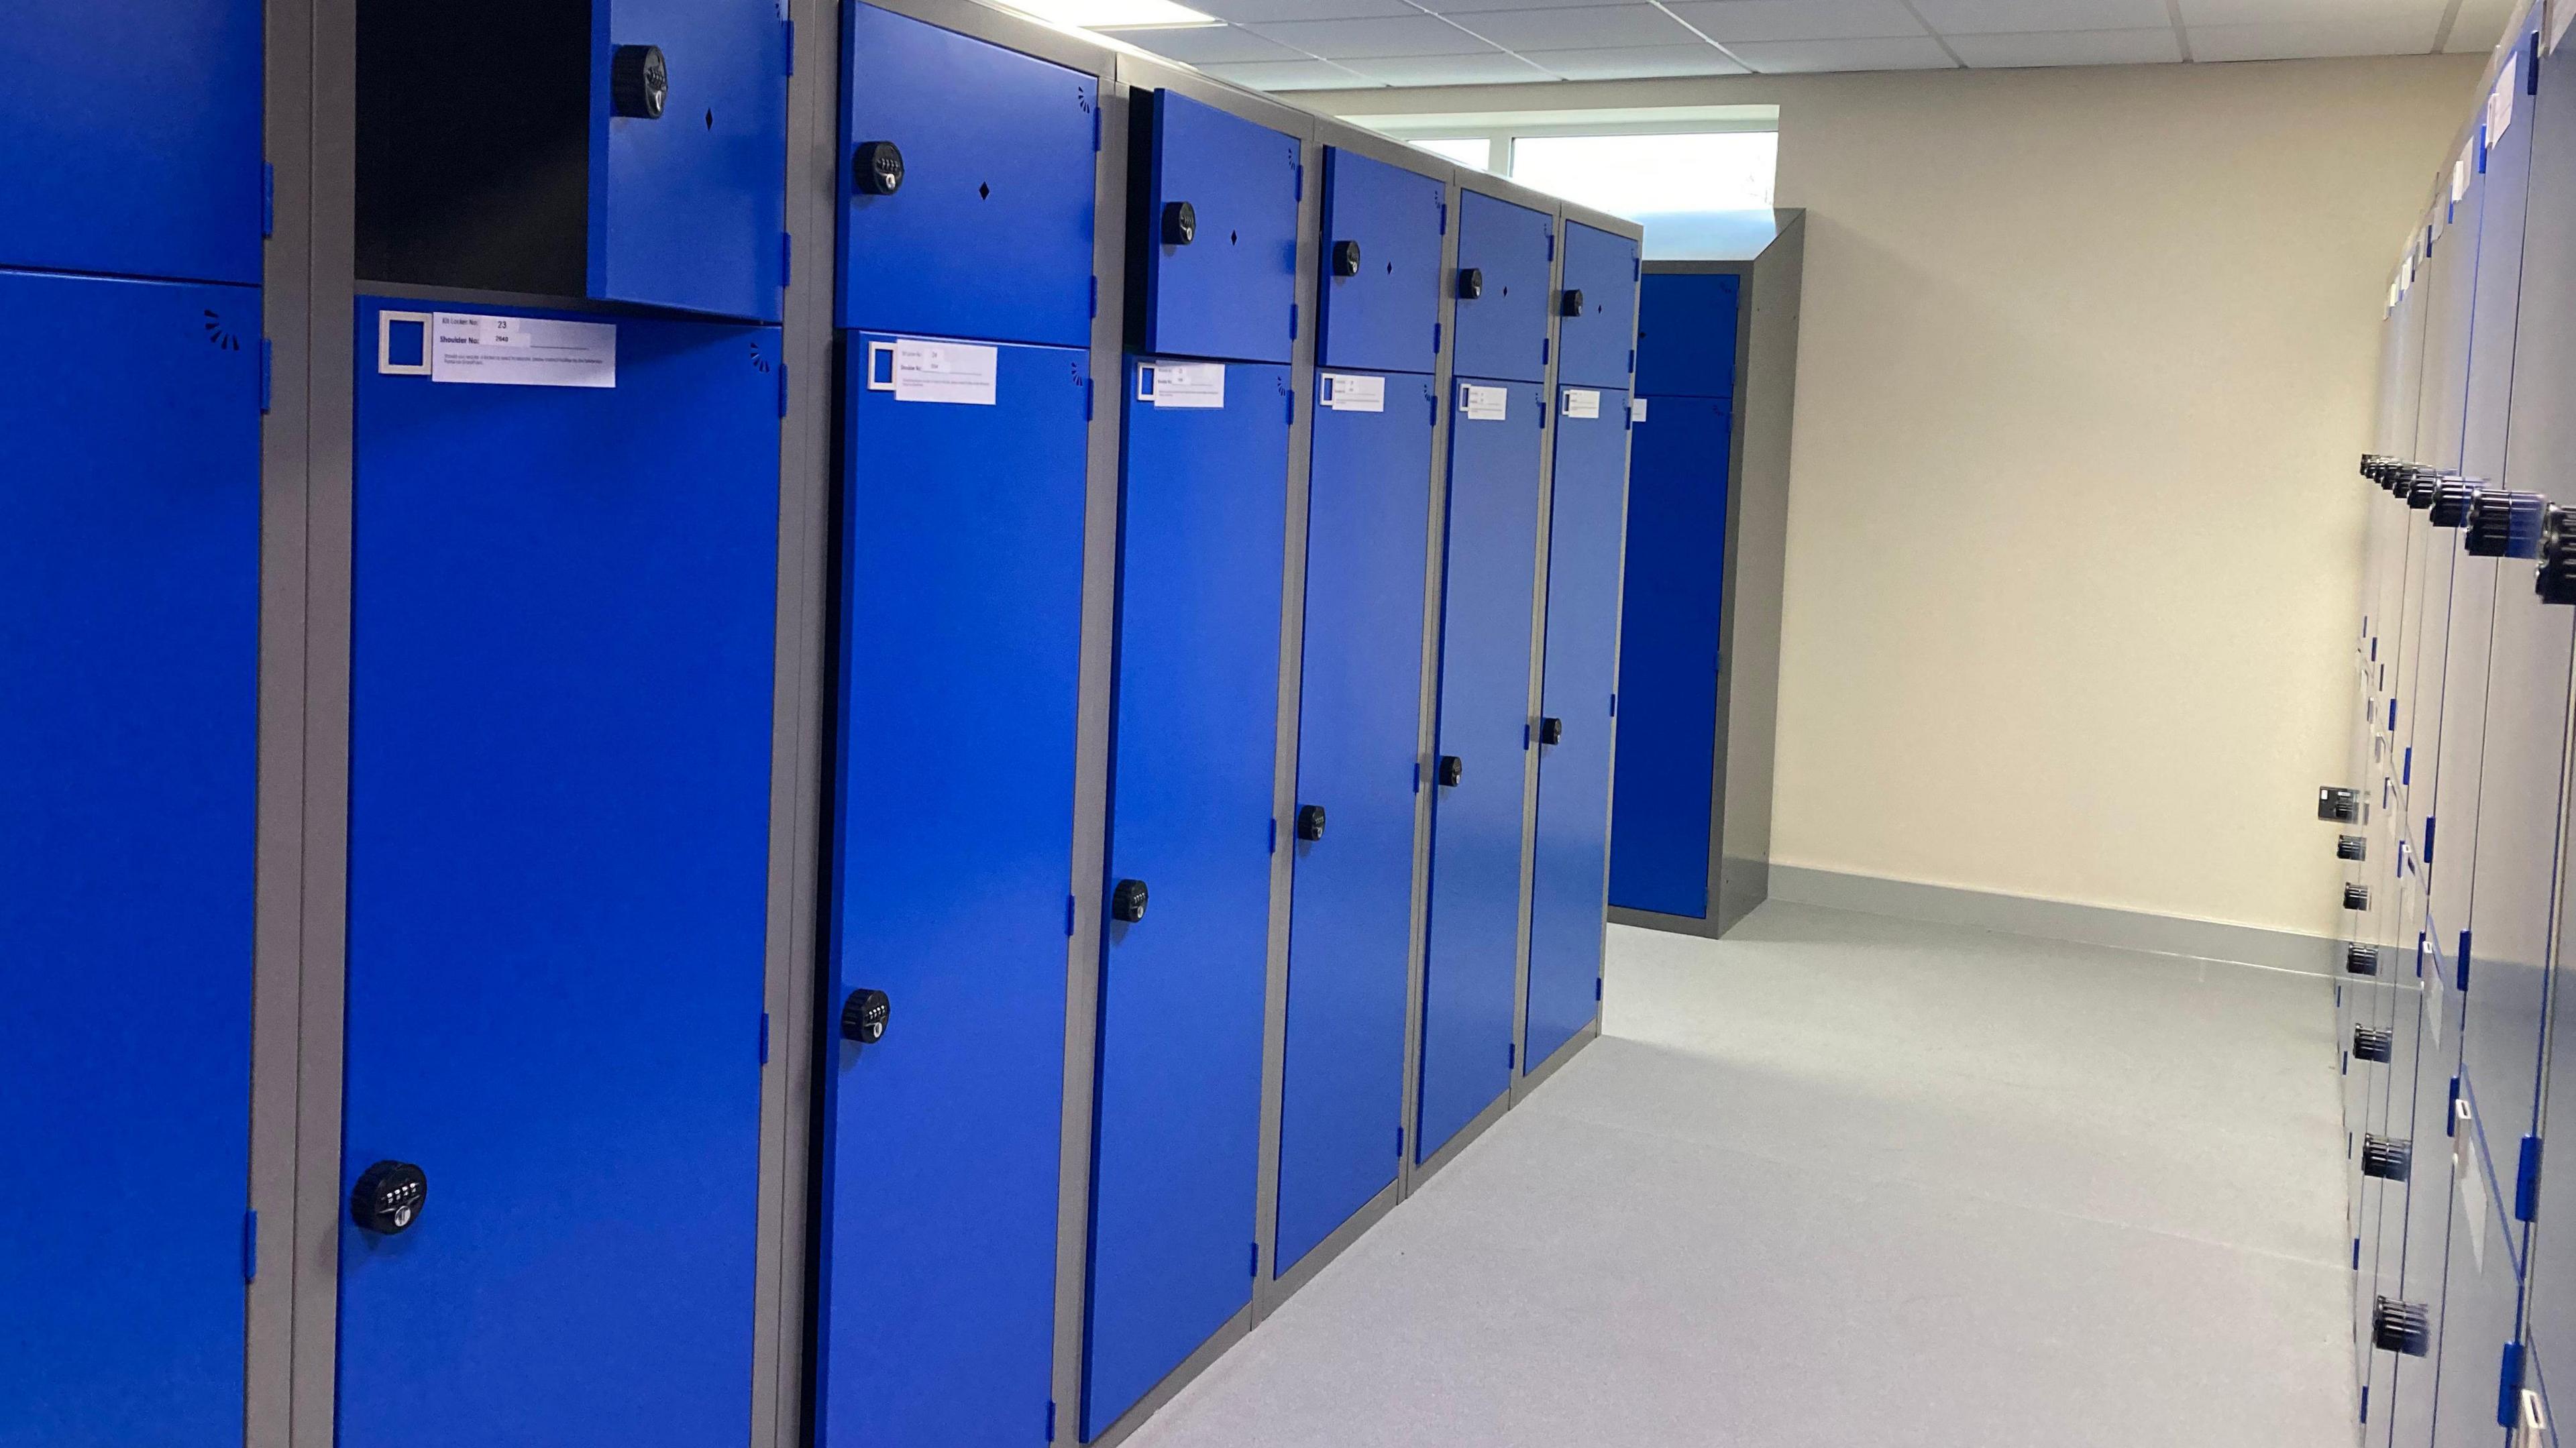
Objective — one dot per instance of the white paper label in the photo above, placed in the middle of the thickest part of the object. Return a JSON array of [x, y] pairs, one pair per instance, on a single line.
[[2432, 994], [1181, 384], [1582, 402], [1352, 392], [1636, 409], [1483, 404], [2464, 1171], [522, 351], [919, 371], [2459, 181], [2500, 105]]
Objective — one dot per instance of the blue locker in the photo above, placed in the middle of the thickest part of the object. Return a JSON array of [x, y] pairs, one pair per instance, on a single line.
[[2478, 1341], [1381, 265], [130, 137], [1216, 242], [1570, 874], [1597, 308], [1351, 925], [1686, 334], [952, 856], [982, 224], [2419, 1201], [558, 845], [1668, 655], [1488, 596], [1176, 1147], [1505, 255], [129, 638]]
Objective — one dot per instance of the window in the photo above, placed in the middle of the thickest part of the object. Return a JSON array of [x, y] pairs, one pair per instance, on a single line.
[[1476, 151], [1633, 176]]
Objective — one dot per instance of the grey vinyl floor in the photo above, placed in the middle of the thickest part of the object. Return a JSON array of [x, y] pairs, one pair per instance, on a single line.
[[1840, 1179]]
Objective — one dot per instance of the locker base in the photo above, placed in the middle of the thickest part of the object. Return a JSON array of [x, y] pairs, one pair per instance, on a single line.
[[1267, 1296], [1466, 1136], [1178, 1378], [1522, 1086]]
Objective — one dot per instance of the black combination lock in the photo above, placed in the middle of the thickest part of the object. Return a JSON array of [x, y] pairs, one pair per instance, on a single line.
[[878, 168], [1571, 304], [2356, 897], [2401, 1327], [1127, 901], [1310, 822], [2361, 960], [1551, 731], [2337, 803], [1346, 258], [1452, 769], [1180, 223], [2351, 847], [388, 1197], [639, 82], [863, 1016], [1471, 283], [2386, 1160], [2556, 581], [2373, 1045]]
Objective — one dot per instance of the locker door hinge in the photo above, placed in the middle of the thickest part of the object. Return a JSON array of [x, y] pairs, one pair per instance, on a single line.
[[1289, 412], [2531, 66], [1511, 1055], [2365, 1388], [1525, 737], [1542, 351], [782, 389], [1274, 836], [1301, 181], [2526, 1182], [786, 260], [1632, 361], [2509, 1385], [1435, 339], [1050, 1420], [1095, 296], [2356, 1266], [2392, 709], [2464, 962], [1636, 269], [1444, 216], [2451, 1111], [1399, 1141], [1596, 987], [1614, 706], [1068, 915], [1086, 399], [1252, 1262], [764, 1038], [2428, 839], [267, 200], [1417, 776], [1095, 147], [791, 47], [1551, 243], [267, 374], [1292, 321], [250, 1246], [2406, 773]]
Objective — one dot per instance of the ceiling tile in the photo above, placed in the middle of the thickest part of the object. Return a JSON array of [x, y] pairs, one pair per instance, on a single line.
[[2338, 12], [1203, 44], [1258, 11], [1775, 57], [1492, 68], [2300, 41], [1634, 62], [2069, 47], [1415, 34], [1469, 7], [1728, 21], [1292, 75], [1590, 27], [2480, 26], [2003, 17]]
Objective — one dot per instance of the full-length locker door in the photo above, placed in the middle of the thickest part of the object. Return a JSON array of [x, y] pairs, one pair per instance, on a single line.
[[129, 638], [1351, 925], [1505, 253], [1176, 1144], [2416, 1169], [2482, 1294], [1668, 656], [132, 137], [558, 869], [1597, 309], [1216, 244], [952, 856], [967, 199], [1570, 870], [1497, 431], [1381, 270]]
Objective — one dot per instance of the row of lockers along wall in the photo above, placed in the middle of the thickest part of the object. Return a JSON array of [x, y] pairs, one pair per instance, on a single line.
[[2454, 1035], [565, 577]]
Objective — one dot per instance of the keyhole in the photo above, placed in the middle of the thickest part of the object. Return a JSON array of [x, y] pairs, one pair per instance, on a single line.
[[985, 191], [1232, 237], [1390, 268], [711, 120]]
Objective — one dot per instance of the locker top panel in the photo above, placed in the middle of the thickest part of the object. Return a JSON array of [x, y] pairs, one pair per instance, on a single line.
[[1505, 255], [1216, 232], [1686, 334], [134, 139], [968, 179], [1381, 264], [1596, 332]]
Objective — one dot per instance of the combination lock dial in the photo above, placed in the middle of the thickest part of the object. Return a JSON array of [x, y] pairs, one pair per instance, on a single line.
[[2352, 847], [1471, 283], [1310, 822], [2557, 580], [388, 1197], [2401, 1327], [639, 82], [878, 168], [1180, 223], [2452, 499], [2361, 960], [1551, 731], [1571, 304], [2356, 897], [2372, 1045], [1452, 769], [863, 1016], [2504, 524], [2386, 1160], [1346, 258], [1127, 901]]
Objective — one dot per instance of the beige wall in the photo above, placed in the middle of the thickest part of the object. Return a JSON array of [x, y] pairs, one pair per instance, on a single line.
[[2073, 536]]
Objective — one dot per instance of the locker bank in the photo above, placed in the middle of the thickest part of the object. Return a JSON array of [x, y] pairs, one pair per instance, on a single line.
[[922, 723]]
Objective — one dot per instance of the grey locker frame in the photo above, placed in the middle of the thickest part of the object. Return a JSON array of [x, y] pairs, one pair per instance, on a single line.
[[1757, 547]]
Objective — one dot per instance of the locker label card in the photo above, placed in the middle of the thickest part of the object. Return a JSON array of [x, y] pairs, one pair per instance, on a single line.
[[522, 351], [2500, 104], [1181, 384], [1349, 392], [1581, 402], [1636, 409], [1483, 404], [962, 373], [2464, 1171]]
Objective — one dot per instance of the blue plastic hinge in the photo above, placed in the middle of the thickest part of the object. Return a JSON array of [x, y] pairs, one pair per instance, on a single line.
[[1095, 296], [2347, 1064], [791, 47], [1301, 181], [1542, 351], [782, 389], [267, 200], [2464, 962], [1252, 1266], [1525, 736], [1095, 146], [1435, 338], [2365, 1388], [1289, 412], [1399, 1141], [1417, 776], [2531, 67], [1596, 987], [2406, 773], [1086, 399], [2356, 1266], [2526, 1182], [764, 1038], [2509, 1385], [1632, 361], [1551, 243], [1511, 1055], [1636, 269], [1444, 216], [1050, 1437], [2451, 1113], [1068, 915], [250, 1245], [786, 259], [2428, 839], [267, 373], [1274, 837], [1292, 321], [1614, 706]]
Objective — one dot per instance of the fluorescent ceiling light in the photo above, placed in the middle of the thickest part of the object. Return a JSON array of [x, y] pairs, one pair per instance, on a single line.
[[1114, 14]]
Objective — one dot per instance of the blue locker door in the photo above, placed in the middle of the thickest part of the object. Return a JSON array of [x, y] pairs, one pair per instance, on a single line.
[[129, 638], [130, 137], [1502, 332], [1381, 268], [952, 856], [1668, 656], [2407, 1410], [2481, 1308], [1224, 284], [1570, 877], [1598, 308], [1489, 595], [1351, 931], [558, 843], [1686, 334], [988, 231], [689, 210], [1176, 1143]]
